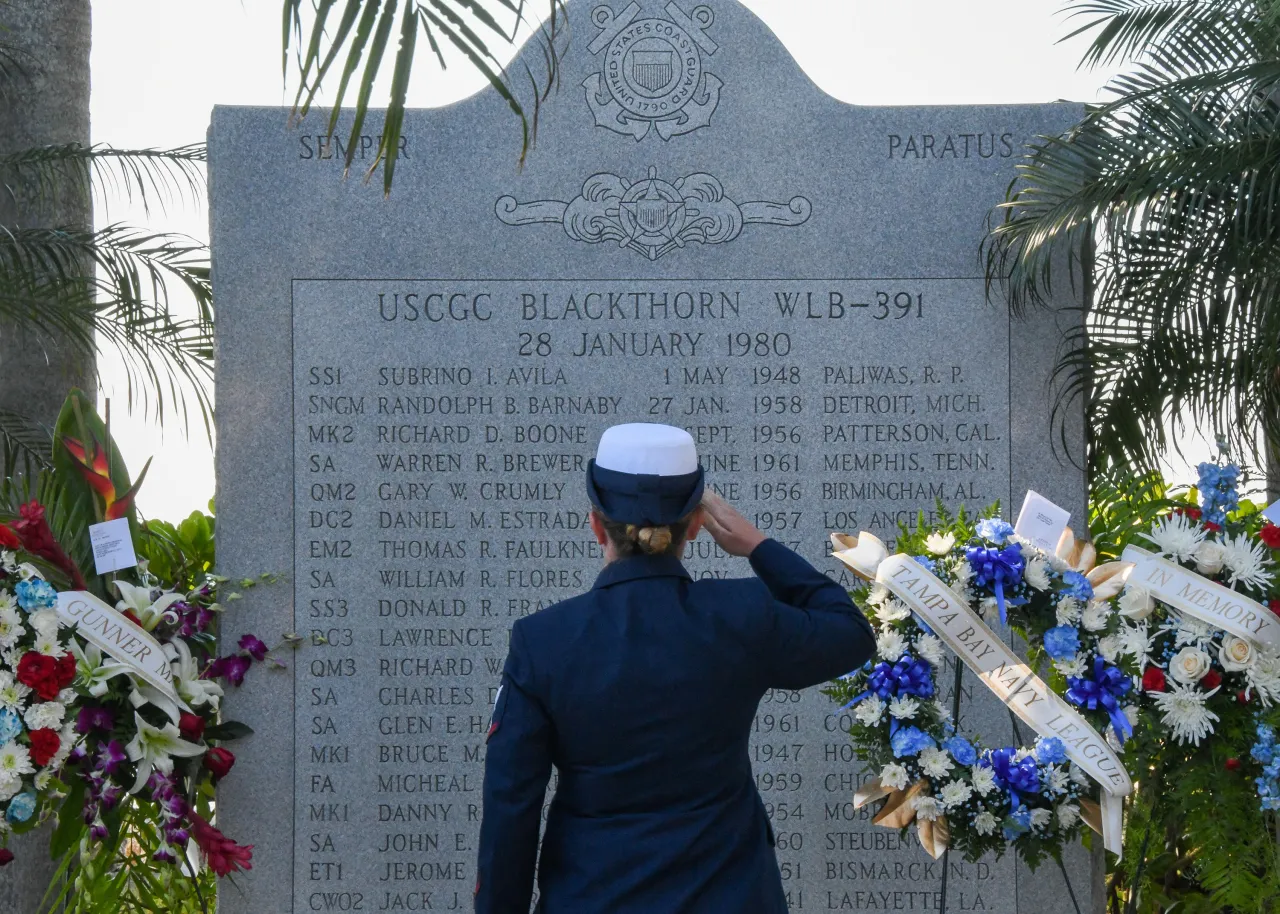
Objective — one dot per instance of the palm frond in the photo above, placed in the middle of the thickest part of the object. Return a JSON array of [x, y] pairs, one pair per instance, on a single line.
[[115, 282], [25, 445], [355, 35], [148, 176]]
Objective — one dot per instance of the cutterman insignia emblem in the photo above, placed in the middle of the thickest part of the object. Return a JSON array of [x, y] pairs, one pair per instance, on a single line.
[[653, 78]]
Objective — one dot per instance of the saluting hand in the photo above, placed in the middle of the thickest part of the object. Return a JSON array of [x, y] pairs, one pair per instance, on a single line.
[[732, 532]]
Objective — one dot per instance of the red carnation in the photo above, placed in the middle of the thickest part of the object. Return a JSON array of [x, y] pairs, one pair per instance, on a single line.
[[66, 671], [6, 856], [1193, 513], [9, 539], [44, 745], [219, 761], [1274, 606], [1153, 680], [39, 672], [1270, 534], [1232, 764], [223, 854], [191, 726], [1211, 680]]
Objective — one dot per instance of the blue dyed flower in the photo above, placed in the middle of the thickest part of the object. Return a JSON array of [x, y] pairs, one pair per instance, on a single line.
[[961, 750], [36, 594], [1017, 823], [1077, 586], [910, 741], [1050, 751], [1062, 642], [10, 726], [927, 563], [22, 807], [1218, 496], [994, 530]]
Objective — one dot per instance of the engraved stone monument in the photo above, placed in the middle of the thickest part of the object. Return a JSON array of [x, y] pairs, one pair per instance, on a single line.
[[409, 390]]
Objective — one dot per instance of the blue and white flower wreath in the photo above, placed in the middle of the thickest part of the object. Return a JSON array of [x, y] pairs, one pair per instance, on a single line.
[[958, 792]]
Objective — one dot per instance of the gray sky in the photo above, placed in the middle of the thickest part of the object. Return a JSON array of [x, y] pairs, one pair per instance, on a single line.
[[160, 65]]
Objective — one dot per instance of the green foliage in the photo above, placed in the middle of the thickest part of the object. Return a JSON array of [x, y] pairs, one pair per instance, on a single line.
[[1121, 507], [1165, 197], [181, 555], [345, 35]]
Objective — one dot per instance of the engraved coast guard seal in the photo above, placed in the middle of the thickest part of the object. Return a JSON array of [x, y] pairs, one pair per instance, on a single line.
[[652, 77]]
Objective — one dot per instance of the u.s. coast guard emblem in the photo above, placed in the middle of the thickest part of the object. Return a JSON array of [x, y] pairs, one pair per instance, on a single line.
[[652, 76]]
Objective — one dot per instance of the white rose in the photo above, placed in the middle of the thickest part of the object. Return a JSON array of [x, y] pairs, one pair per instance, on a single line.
[[1037, 574], [1136, 603], [940, 544], [1189, 665], [1236, 654], [1209, 558]]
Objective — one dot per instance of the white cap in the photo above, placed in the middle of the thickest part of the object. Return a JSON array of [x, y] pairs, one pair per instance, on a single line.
[[647, 449]]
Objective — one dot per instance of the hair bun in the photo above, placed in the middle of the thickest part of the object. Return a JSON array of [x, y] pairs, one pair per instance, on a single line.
[[654, 539]]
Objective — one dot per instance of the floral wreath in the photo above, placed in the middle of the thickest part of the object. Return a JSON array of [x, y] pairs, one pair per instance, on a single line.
[[958, 792]]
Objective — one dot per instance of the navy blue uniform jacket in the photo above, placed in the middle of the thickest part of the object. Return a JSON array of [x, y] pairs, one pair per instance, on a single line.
[[642, 693]]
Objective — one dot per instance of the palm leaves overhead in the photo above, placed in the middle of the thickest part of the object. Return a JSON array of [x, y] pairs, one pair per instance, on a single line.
[[348, 40], [113, 286], [1169, 197]]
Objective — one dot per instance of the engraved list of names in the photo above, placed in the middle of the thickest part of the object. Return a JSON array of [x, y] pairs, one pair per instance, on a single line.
[[440, 447]]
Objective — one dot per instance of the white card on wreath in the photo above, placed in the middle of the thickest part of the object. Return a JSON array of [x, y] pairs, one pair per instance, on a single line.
[[1272, 513], [112, 545], [1041, 521]]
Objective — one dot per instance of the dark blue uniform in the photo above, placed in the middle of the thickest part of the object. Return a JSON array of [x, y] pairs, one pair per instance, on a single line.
[[642, 693]]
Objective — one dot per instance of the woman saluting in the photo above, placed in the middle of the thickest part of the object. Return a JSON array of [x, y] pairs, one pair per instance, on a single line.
[[641, 692]]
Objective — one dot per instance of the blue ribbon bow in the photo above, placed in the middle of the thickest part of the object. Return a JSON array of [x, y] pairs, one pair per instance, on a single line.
[[996, 569], [909, 676], [1015, 777], [1108, 685]]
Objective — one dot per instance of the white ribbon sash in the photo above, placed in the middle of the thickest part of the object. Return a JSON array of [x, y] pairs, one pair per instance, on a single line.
[[113, 632], [1198, 597], [999, 668]]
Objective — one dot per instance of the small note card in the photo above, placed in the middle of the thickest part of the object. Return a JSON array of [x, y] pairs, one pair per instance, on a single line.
[[1273, 514], [1041, 521], [112, 545]]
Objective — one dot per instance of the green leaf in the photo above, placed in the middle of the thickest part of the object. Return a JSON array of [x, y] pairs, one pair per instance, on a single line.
[[70, 822], [228, 730]]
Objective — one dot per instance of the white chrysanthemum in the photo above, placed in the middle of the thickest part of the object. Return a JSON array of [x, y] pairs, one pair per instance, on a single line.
[[12, 692], [984, 823], [1068, 815], [1059, 565], [894, 777], [926, 807], [1136, 603], [1182, 709], [1187, 630], [15, 758], [1037, 574], [1056, 780], [43, 779], [1247, 561], [1023, 754], [1135, 641], [9, 560], [879, 593], [984, 779], [869, 711], [11, 628], [48, 645], [1040, 818], [1264, 679], [1072, 666], [955, 794], [892, 611], [903, 707], [962, 571], [890, 646], [7, 600], [990, 609], [1177, 536], [940, 543], [1069, 611], [1109, 648], [935, 762], [930, 648], [10, 784], [939, 708], [1096, 616], [1079, 775], [1236, 654], [47, 715]]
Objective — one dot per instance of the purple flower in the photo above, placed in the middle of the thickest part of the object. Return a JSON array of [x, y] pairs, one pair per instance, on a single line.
[[98, 829], [254, 647], [110, 757], [165, 854], [95, 718], [232, 668]]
